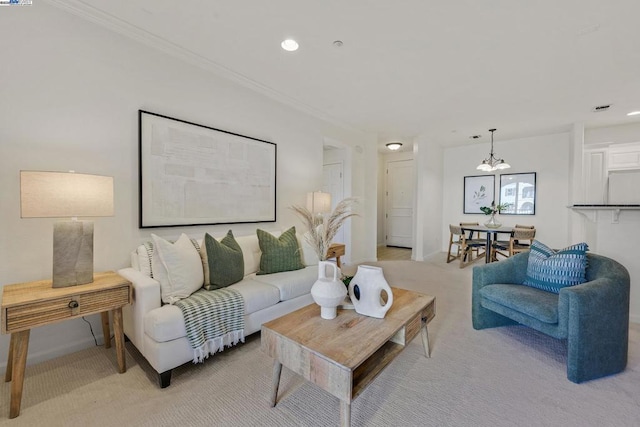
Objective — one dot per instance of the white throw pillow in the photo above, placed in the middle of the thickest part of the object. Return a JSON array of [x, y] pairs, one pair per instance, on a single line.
[[177, 267]]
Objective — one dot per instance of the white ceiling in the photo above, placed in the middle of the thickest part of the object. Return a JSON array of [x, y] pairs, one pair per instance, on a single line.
[[443, 69]]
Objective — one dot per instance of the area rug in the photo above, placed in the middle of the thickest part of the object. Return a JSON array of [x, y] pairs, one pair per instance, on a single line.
[[509, 376]]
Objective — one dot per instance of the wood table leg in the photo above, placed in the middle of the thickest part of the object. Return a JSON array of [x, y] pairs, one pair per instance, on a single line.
[[106, 332], [20, 349], [119, 339], [7, 373], [277, 370], [345, 414], [425, 340]]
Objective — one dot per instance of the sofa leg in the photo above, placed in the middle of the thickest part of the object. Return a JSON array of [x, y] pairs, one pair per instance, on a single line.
[[164, 378]]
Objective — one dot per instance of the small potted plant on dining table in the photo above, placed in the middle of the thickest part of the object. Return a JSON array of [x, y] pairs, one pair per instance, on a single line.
[[493, 210]]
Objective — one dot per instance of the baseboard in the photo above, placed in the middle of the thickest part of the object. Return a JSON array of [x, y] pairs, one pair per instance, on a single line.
[[52, 353]]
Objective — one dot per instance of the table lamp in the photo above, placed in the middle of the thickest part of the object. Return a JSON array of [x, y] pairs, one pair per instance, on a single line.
[[68, 194], [319, 202]]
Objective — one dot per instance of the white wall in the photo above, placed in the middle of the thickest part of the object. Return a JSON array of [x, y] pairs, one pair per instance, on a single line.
[[430, 197], [617, 240], [70, 94], [547, 155], [613, 134]]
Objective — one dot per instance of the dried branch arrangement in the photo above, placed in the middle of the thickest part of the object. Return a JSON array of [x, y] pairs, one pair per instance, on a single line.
[[321, 229]]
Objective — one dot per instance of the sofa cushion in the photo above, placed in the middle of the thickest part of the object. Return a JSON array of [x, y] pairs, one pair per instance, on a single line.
[[309, 256], [250, 252], [256, 295], [222, 261], [533, 302], [292, 284], [177, 267], [279, 253], [166, 323], [552, 270]]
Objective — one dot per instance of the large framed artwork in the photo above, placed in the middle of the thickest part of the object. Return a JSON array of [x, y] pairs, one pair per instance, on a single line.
[[478, 191], [518, 191], [192, 174]]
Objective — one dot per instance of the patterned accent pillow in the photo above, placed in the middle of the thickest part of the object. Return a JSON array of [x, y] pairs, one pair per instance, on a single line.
[[222, 261], [279, 253], [551, 270]]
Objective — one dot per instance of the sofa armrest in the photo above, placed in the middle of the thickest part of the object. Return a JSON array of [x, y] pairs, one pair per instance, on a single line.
[[512, 270], [597, 317], [146, 297]]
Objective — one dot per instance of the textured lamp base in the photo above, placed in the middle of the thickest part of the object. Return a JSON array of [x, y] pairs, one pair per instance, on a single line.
[[72, 253]]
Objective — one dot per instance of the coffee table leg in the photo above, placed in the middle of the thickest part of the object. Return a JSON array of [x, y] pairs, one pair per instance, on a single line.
[[425, 340], [277, 369], [345, 414]]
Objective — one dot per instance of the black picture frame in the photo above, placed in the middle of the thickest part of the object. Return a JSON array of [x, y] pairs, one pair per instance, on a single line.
[[519, 191], [191, 174], [479, 191]]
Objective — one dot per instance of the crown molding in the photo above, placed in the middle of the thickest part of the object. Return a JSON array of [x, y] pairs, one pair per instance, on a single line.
[[117, 25]]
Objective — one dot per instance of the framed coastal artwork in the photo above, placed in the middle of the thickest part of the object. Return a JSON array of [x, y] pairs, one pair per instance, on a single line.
[[518, 191], [478, 191], [192, 174]]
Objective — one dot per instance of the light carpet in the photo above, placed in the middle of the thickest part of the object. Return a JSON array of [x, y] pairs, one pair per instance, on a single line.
[[509, 376]]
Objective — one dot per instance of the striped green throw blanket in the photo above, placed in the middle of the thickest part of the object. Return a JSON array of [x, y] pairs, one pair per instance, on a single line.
[[214, 320]]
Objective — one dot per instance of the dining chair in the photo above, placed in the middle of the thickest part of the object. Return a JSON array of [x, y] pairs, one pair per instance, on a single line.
[[480, 235], [519, 241], [524, 226], [464, 247]]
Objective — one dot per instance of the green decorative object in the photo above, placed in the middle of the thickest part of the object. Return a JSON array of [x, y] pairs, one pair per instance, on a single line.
[[279, 253], [493, 210], [223, 262]]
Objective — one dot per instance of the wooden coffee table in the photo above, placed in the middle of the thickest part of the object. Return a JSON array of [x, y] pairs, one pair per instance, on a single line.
[[345, 354]]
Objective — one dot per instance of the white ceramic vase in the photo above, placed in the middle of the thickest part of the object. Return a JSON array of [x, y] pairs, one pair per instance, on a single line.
[[365, 291], [328, 292]]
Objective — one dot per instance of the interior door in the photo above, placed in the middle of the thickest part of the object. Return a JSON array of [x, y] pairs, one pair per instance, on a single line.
[[333, 183], [399, 206]]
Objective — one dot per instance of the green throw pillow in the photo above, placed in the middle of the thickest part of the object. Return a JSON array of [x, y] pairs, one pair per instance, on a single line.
[[279, 253], [223, 262]]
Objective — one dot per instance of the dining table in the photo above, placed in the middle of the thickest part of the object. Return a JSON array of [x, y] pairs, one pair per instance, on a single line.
[[492, 235]]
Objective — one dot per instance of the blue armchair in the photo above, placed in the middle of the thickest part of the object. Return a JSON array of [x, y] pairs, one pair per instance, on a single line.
[[593, 317]]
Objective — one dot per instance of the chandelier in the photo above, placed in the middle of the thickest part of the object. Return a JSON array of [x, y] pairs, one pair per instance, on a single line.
[[492, 163]]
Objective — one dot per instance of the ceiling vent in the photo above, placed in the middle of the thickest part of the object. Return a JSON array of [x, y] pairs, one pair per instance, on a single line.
[[599, 108]]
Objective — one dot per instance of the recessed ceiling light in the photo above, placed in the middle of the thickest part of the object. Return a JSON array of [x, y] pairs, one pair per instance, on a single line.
[[289, 45], [633, 113], [395, 145]]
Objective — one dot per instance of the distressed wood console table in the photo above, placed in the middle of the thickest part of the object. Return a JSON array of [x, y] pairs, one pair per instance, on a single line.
[[31, 304]]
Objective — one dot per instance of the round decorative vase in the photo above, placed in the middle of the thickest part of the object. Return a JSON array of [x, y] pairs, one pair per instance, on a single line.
[[365, 290], [493, 222], [328, 292]]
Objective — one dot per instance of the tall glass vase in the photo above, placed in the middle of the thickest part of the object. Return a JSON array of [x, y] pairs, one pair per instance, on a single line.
[[493, 222]]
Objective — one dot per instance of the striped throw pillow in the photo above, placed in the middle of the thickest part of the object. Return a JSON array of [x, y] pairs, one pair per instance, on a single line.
[[551, 270]]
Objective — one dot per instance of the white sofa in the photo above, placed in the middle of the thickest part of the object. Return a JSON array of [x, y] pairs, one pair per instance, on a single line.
[[158, 331]]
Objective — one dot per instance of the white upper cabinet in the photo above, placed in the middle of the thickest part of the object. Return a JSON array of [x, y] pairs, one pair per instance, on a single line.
[[624, 156]]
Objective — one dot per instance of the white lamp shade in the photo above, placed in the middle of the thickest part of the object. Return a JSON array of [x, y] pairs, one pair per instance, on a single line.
[[319, 202], [65, 194]]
